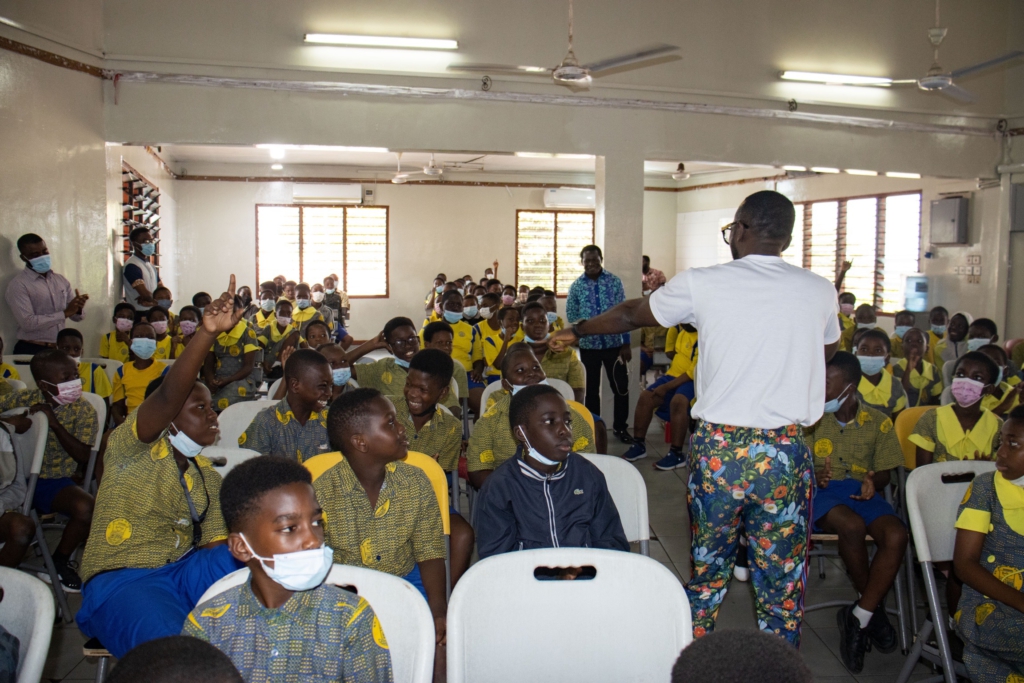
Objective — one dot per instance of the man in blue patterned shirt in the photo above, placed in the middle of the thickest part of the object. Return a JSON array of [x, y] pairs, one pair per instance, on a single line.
[[590, 295]]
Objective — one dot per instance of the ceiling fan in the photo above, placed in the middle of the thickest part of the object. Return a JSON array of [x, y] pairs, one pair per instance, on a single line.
[[569, 71], [433, 170]]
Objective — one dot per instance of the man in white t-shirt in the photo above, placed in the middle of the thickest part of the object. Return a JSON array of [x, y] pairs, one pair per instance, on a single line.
[[766, 330]]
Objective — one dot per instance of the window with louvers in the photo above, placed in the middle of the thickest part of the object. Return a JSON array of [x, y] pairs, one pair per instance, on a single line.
[[548, 245]]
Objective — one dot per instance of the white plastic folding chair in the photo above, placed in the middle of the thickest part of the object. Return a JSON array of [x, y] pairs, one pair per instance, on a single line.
[[933, 497], [272, 392], [401, 610], [27, 379], [627, 623], [629, 493], [488, 390], [26, 611], [227, 458], [373, 356], [235, 419], [17, 384], [563, 388], [100, 406], [946, 397]]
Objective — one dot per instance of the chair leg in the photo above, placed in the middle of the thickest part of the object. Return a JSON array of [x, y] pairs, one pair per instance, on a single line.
[[935, 607], [447, 567], [821, 566], [645, 548], [914, 656], [901, 614], [89, 471], [51, 569], [911, 587], [456, 495], [101, 669]]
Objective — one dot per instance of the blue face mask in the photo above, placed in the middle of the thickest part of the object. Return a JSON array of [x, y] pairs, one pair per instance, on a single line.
[[267, 305], [871, 365], [452, 317], [402, 363], [439, 289], [530, 340], [975, 344], [836, 403], [552, 317], [329, 291], [164, 303], [902, 330], [469, 312], [341, 376], [40, 264], [144, 348], [148, 249], [939, 329], [201, 309], [302, 303]]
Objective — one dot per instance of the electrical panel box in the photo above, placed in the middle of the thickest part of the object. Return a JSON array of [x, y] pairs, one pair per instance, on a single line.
[[949, 221]]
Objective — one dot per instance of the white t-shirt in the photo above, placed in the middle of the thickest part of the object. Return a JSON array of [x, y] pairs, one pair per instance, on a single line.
[[762, 325]]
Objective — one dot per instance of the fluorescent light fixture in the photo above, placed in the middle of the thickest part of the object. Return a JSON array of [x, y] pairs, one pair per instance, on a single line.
[[797, 169], [834, 79], [533, 69], [897, 174], [277, 152], [382, 41], [548, 155], [858, 171], [321, 148], [824, 169], [276, 167]]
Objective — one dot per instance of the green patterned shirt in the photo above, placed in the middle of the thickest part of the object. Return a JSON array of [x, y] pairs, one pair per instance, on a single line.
[[564, 366], [388, 377], [79, 418], [867, 443], [440, 438], [275, 431]]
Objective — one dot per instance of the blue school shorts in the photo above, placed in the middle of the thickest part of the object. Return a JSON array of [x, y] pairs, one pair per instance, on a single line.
[[416, 580], [685, 389], [838, 492], [47, 490], [473, 384]]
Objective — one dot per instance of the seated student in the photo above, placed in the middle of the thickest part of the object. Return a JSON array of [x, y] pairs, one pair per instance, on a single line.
[[877, 387], [336, 300], [980, 333], [847, 304], [432, 296], [201, 300], [7, 371], [278, 334], [493, 286], [478, 291], [765, 658], [114, 345], [175, 659], [669, 397], [288, 291], [188, 323], [470, 310], [488, 328], [381, 513], [281, 624], [904, 320], [508, 295], [342, 338], [230, 370], [166, 348], [492, 443], [563, 365], [317, 296], [249, 308], [341, 369], [296, 427], [439, 336], [267, 304], [94, 378], [923, 384], [466, 345], [988, 557], [546, 496], [317, 334], [163, 298], [955, 343], [652, 340], [547, 300], [304, 313], [73, 428], [495, 347], [855, 450], [387, 375], [17, 531], [523, 292], [1006, 396], [157, 538], [963, 430], [938, 323], [132, 378], [865, 319]]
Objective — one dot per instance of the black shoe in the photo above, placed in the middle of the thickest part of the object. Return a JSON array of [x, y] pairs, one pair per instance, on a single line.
[[624, 435], [69, 578], [853, 640], [880, 631]]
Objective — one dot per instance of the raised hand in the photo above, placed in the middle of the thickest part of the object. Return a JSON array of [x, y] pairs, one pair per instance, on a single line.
[[867, 488], [220, 314]]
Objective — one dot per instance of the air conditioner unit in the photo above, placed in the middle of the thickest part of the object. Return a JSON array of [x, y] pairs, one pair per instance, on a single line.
[[570, 198], [327, 193]]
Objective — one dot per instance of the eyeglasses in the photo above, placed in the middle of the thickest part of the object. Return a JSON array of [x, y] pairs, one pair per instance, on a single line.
[[727, 231]]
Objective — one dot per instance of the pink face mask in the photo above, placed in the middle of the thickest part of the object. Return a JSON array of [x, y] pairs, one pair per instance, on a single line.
[[966, 391], [508, 299], [67, 392], [846, 309], [123, 324], [188, 327], [160, 326]]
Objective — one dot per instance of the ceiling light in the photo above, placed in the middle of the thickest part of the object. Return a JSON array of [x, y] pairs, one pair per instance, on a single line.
[[824, 169], [276, 152], [797, 169], [548, 155], [834, 79], [276, 167], [321, 148], [896, 174], [382, 41], [857, 171]]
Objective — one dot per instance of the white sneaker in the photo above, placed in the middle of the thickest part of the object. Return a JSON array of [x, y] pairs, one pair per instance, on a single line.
[[741, 574]]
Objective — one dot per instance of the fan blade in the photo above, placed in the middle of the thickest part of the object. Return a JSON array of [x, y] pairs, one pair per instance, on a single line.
[[503, 68], [968, 70], [904, 81], [958, 93], [638, 56]]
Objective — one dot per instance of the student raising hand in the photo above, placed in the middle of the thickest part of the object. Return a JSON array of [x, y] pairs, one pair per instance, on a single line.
[[220, 315]]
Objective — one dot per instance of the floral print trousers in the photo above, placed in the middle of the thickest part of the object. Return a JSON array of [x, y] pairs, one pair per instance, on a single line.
[[759, 479]]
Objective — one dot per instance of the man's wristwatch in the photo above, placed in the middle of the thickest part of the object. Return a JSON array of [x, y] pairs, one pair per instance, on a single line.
[[576, 329]]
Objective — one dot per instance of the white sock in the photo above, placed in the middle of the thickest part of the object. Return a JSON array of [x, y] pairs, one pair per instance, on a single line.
[[863, 616]]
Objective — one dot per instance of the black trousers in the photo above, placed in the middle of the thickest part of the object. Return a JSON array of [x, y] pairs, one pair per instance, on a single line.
[[25, 348], [618, 377]]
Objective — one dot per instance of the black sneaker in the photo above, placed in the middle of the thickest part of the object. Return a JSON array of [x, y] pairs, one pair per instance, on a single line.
[[69, 578], [880, 631], [853, 640], [624, 435]]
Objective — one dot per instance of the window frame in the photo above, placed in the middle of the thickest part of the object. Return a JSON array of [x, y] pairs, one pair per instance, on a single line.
[[593, 235], [129, 223], [344, 242]]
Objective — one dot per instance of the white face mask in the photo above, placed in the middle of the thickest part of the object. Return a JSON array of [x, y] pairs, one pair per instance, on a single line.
[[516, 388], [1017, 482], [534, 453], [302, 570], [318, 296], [183, 443], [485, 312]]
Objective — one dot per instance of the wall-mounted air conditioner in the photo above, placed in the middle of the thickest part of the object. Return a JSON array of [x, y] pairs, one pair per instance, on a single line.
[[327, 193], [570, 198]]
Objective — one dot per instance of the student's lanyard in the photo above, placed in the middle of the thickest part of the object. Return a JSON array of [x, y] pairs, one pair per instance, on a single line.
[[197, 519]]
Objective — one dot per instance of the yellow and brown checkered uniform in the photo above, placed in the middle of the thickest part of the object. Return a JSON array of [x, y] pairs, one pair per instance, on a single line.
[[867, 443], [564, 366], [230, 349], [275, 431], [440, 438], [388, 377], [940, 432], [78, 418], [142, 520]]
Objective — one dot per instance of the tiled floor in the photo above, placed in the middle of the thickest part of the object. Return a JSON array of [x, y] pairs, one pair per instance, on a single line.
[[670, 545]]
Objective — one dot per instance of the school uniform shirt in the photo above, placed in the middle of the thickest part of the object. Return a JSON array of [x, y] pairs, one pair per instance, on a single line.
[[272, 339], [867, 443], [520, 508], [491, 443], [990, 401], [934, 343], [113, 349], [404, 528], [896, 347], [95, 379], [138, 268], [13, 489], [130, 383], [461, 378], [432, 318], [320, 635], [8, 372], [163, 348], [653, 337], [275, 431], [388, 377], [336, 301], [923, 385], [78, 418], [565, 366], [142, 519], [262, 319], [939, 432], [326, 313], [684, 362], [440, 437], [887, 396], [490, 342], [304, 316]]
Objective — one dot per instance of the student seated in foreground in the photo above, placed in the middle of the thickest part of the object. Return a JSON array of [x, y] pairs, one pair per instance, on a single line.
[[175, 659], [877, 387], [94, 378], [740, 656], [157, 540], [855, 450], [988, 558], [563, 365], [341, 369], [547, 496], [285, 623], [296, 426]]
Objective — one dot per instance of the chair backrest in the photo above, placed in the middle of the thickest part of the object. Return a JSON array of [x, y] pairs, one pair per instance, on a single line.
[[947, 372], [100, 406], [29, 448], [374, 356], [272, 392], [563, 388], [627, 623], [932, 505], [905, 423], [445, 409], [234, 456], [629, 493], [438, 479], [235, 419], [109, 366], [1010, 343], [17, 358], [401, 610], [17, 384], [947, 396], [488, 390], [454, 387], [27, 613]]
